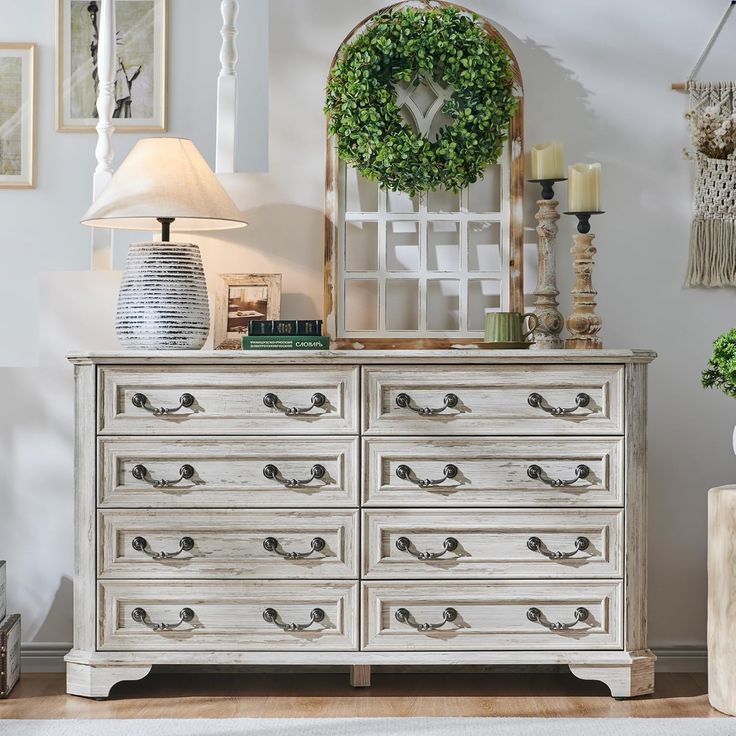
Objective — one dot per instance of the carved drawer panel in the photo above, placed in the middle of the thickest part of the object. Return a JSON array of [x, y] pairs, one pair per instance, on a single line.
[[445, 400], [501, 543], [247, 400], [499, 615], [218, 615], [227, 544], [504, 471], [227, 473]]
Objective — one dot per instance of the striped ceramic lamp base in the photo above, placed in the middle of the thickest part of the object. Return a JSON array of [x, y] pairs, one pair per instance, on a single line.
[[163, 301]]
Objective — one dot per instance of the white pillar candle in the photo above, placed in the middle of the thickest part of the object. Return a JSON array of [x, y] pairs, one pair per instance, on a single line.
[[548, 161], [583, 188]]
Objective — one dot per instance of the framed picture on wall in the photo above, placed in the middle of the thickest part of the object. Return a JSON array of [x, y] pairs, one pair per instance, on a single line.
[[240, 298], [140, 78], [17, 124]]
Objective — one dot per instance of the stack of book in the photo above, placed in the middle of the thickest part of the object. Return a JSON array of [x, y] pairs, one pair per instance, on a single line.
[[9, 642], [285, 334]]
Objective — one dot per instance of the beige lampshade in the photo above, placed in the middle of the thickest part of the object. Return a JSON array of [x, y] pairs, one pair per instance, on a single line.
[[164, 177]]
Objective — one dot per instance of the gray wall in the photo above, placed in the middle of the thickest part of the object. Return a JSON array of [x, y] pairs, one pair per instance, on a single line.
[[597, 76]]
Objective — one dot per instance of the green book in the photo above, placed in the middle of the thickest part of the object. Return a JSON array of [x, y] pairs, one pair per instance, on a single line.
[[286, 342]]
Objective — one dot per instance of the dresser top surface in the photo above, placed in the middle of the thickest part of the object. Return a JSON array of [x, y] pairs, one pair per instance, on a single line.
[[361, 357]]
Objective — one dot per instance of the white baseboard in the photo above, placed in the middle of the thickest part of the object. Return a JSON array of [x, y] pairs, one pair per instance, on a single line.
[[49, 657], [43, 656], [681, 659]]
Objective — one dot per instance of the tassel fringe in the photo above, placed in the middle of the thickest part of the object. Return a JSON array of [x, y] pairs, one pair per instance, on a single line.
[[712, 259]]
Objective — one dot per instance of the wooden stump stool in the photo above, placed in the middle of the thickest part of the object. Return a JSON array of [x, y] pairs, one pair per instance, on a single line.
[[722, 598]]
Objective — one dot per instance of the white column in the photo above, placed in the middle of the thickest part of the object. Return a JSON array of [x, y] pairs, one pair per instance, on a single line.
[[102, 239], [227, 90]]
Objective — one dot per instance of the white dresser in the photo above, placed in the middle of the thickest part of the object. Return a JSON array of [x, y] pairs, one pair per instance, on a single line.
[[361, 508]]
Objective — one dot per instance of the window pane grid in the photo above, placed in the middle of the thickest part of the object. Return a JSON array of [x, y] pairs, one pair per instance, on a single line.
[[442, 267]]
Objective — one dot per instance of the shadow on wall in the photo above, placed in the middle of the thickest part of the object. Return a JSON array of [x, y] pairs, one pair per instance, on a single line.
[[37, 452], [283, 238], [58, 623], [566, 115]]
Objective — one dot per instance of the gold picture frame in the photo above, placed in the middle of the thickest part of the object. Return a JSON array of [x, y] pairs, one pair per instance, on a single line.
[[240, 297], [142, 46], [18, 115]]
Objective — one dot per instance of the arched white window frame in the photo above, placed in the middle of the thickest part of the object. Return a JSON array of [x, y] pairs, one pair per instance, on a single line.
[[509, 217]]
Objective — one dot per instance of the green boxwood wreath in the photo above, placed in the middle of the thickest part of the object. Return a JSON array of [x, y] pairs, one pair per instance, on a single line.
[[396, 46]]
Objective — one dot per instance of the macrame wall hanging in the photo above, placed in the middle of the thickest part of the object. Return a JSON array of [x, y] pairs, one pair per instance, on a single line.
[[712, 118]]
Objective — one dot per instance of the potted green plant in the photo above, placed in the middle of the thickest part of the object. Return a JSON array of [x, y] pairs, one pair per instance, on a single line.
[[721, 370]]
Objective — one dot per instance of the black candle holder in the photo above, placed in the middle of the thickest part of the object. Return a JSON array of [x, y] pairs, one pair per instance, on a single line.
[[548, 186], [584, 219]]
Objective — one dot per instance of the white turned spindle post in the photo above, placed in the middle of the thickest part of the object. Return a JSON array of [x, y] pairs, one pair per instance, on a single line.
[[227, 90], [107, 56]]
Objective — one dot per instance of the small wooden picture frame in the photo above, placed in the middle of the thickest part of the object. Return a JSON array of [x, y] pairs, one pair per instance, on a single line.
[[241, 297]]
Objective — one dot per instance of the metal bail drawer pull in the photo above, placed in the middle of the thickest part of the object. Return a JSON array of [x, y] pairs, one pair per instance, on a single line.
[[536, 616], [403, 616], [273, 473], [539, 402], [403, 401], [140, 544], [272, 402], [140, 472], [403, 544], [271, 616], [535, 472], [140, 616], [271, 544], [535, 544], [405, 473], [140, 401]]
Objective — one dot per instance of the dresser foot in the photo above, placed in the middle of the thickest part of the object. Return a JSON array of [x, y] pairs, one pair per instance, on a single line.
[[360, 675], [96, 681], [624, 680]]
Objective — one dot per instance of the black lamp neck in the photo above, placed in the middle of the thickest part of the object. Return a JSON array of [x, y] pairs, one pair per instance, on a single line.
[[165, 228]]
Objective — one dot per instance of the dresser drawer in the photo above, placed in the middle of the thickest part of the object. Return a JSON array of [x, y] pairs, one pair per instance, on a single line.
[[503, 471], [499, 615], [248, 400], [219, 615], [500, 544], [227, 473], [227, 544], [444, 400]]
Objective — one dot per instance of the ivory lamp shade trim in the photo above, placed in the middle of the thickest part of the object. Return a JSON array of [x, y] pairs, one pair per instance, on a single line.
[[164, 178]]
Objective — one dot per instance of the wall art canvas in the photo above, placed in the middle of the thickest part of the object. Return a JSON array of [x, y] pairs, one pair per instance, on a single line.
[[240, 298], [140, 77], [17, 92]]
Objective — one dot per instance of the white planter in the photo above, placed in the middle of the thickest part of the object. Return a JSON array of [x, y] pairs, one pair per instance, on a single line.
[[163, 301]]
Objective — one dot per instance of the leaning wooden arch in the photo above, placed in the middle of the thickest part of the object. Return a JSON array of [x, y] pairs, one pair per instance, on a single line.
[[515, 210]]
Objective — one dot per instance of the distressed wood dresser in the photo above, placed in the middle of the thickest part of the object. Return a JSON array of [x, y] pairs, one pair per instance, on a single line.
[[361, 508]]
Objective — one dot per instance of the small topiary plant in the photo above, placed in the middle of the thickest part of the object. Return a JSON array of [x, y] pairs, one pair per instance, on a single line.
[[721, 370]]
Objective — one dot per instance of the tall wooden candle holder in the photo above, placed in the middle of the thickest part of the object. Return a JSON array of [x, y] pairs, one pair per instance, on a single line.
[[550, 320], [583, 323]]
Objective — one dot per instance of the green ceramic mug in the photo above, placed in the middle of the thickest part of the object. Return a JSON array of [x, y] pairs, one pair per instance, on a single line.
[[509, 326]]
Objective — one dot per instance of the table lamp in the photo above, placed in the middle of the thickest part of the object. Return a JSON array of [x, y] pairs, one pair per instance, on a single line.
[[163, 300]]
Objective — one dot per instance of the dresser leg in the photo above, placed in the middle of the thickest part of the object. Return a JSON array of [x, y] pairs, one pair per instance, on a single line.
[[96, 681], [360, 675], [624, 680]]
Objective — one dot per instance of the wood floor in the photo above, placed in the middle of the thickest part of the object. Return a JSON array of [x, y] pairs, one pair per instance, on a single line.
[[329, 695]]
